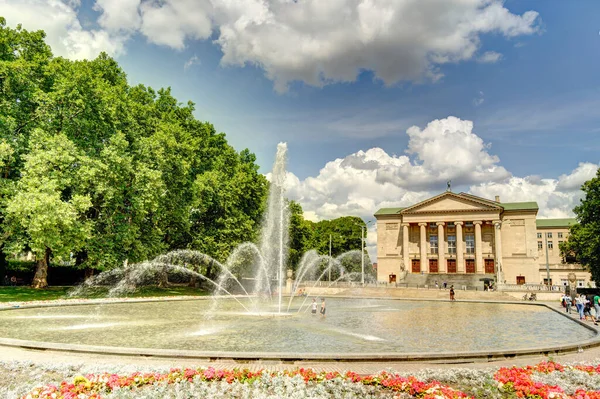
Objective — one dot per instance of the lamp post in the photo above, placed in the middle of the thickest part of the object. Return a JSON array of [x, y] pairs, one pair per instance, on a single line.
[[362, 252], [329, 258], [547, 262]]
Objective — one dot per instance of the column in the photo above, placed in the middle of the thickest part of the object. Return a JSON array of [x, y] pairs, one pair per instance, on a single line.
[[460, 258], [478, 254], [405, 249], [498, 252], [423, 241], [441, 248]]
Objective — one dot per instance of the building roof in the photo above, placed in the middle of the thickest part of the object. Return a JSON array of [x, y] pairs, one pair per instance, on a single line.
[[519, 206], [388, 211], [555, 222]]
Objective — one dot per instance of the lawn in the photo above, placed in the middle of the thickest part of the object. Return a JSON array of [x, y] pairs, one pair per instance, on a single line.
[[24, 294]]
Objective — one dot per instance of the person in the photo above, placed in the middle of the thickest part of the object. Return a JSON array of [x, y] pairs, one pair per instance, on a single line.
[[597, 306], [323, 307], [579, 304], [436, 285], [445, 284], [6, 280], [568, 302], [314, 307], [452, 293], [13, 281]]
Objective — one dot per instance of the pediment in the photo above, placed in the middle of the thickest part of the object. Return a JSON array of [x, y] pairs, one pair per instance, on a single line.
[[450, 202]]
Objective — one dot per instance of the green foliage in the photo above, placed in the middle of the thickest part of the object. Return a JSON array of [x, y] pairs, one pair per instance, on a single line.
[[584, 237], [109, 172]]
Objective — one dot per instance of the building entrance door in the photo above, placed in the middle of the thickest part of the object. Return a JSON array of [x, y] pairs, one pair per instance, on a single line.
[[489, 266], [451, 265], [416, 266], [520, 280], [433, 266], [470, 263]]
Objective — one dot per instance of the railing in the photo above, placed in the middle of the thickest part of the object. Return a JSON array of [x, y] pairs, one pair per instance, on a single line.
[[384, 284], [530, 287]]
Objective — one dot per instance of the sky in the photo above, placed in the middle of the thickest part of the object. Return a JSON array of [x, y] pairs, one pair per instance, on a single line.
[[381, 102]]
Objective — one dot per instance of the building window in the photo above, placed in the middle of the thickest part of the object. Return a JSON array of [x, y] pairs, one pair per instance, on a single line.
[[549, 235], [539, 235], [468, 224], [540, 246], [580, 283], [550, 245], [560, 235], [470, 241], [451, 244], [564, 282], [433, 243]]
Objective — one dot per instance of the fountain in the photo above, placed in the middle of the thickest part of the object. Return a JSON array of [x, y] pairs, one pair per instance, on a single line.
[[235, 325], [267, 260]]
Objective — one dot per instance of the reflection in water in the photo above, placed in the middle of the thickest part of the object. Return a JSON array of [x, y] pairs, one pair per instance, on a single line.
[[351, 326]]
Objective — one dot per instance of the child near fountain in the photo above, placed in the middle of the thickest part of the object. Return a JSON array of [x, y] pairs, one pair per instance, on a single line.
[[323, 308], [314, 306]]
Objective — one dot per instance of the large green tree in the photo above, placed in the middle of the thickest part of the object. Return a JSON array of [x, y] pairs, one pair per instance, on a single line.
[[584, 237], [47, 212], [113, 172]]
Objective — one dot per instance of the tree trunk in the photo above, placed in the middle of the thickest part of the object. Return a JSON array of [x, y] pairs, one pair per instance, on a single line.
[[89, 272], [41, 273], [163, 278], [193, 281]]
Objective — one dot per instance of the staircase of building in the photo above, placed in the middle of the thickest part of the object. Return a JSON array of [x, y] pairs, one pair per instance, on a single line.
[[470, 281]]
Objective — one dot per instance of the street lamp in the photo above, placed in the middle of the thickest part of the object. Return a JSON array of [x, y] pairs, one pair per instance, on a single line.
[[362, 250]]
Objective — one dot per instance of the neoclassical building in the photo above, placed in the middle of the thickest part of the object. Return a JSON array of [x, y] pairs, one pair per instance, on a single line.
[[457, 234]]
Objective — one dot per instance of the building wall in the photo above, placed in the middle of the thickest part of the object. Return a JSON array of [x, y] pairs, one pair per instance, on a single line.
[[522, 258]]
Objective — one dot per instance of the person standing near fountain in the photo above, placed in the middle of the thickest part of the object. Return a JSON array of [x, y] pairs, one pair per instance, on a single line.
[[314, 307], [452, 293], [323, 307]]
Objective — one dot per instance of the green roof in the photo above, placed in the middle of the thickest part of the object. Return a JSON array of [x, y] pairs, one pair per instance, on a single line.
[[518, 206], [388, 211], [555, 222]]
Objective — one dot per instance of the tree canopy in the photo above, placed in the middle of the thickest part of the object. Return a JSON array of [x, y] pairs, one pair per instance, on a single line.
[[584, 237], [96, 170]]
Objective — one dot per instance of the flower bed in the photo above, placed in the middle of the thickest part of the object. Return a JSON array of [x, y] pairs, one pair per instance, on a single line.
[[546, 380], [103, 385]]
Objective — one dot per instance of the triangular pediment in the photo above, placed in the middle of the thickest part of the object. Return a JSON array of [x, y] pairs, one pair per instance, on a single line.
[[449, 201]]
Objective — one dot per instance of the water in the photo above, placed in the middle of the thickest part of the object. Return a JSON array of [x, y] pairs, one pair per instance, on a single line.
[[265, 262], [351, 326]]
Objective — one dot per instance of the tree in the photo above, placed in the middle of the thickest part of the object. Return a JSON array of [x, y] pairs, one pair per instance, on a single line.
[[47, 213], [584, 237]]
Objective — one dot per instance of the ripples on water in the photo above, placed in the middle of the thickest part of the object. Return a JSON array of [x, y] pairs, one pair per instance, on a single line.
[[351, 326]]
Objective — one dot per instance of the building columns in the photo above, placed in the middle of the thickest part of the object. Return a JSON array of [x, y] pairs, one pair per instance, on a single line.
[[405, 249], [460, 258], [423, 247], [478, 254], [441, 248]]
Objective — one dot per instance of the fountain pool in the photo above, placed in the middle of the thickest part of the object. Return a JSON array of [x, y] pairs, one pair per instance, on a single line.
[[352, 327]]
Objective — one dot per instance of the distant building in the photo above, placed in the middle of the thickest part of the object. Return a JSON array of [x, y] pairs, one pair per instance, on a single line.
[[456, 234]]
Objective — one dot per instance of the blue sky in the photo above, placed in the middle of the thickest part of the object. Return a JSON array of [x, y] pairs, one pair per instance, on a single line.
[[363, 90]]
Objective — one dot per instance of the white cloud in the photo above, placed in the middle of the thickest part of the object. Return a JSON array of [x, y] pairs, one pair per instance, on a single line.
[[313, 41], [445, 149], [319, 42], [64, 33], [489, 57], [477, 101], [194, 60]]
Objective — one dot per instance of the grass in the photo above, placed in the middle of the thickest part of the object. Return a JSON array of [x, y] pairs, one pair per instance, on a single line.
[[23, 294]]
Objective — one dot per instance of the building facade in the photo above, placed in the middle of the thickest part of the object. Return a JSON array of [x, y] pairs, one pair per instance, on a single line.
[[465, 234]]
